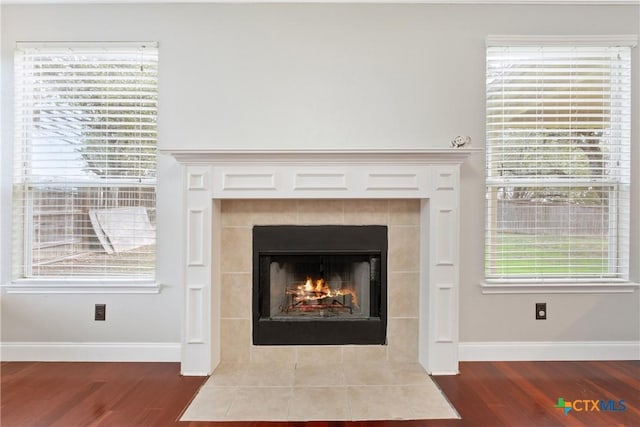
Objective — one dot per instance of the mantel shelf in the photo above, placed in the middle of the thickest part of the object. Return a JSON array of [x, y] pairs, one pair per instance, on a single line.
[[315, 156]]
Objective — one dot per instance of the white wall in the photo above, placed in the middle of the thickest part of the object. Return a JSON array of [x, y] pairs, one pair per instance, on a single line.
[[312, 75]]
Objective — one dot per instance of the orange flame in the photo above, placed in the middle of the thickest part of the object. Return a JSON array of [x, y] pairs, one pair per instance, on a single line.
[[318, 290]]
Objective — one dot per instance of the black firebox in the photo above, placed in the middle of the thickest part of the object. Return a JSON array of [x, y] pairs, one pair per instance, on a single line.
[[319, 285]]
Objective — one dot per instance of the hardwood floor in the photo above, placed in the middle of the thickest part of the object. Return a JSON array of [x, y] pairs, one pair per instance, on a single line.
[[485, 394]]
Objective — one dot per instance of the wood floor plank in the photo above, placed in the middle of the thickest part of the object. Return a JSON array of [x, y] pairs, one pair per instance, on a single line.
[[154, 394]]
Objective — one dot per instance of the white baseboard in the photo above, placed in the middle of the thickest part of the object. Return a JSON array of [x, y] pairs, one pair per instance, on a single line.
[[170, 352], [89, 352], [539, 351]]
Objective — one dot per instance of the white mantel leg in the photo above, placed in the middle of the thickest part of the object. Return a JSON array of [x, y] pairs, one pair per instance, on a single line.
[[439, 274], [197, 346]]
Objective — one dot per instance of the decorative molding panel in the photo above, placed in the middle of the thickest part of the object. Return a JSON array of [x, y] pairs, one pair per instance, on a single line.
[[195, 307], [320, 181], [446, 179], [197, 182], [445, 310], [248, 181], [196, 235], [393, 181], [445, 239]]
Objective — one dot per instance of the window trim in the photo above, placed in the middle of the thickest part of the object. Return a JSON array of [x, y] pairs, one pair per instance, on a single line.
[[85, 285], [554, 285], [628, 40], [82, 286]]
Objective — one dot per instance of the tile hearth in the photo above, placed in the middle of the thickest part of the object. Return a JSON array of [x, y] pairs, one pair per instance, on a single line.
[[308, 392]]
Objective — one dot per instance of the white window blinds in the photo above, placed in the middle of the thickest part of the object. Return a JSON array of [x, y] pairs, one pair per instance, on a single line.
[[558, 163], [85, 160]]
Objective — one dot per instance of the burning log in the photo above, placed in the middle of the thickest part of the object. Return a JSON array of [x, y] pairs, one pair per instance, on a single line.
[[311, 295]]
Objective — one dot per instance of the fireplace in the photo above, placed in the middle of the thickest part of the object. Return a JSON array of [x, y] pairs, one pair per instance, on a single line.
[[430, 177], [323, 285]]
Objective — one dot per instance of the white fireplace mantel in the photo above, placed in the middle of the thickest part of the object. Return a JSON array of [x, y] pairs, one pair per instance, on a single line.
[[357, 156], [430, 175]]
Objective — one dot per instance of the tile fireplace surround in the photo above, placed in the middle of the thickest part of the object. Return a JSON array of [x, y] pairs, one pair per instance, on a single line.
[[415, 192]]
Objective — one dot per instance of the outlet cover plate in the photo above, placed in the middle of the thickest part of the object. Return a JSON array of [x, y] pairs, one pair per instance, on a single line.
[[541, 311], [100, 312]]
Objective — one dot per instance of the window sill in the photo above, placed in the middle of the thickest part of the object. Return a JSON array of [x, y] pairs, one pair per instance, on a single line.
[[49, 286], [559, 288]]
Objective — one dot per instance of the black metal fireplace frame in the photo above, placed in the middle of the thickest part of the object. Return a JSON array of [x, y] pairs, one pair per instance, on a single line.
[[333, 239]]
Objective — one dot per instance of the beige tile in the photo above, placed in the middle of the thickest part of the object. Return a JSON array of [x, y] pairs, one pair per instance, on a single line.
[[320, 212], [370, 353], [260, 404], [403, 294], [273, 354], [236, 213], [210, 404], [404, 212], [227, 374], [235, 295], [319, 375], [378, 403], [367, 211], [236, 250], [251, 398], [427, 401], [403, 340], [404, 248], [319, 403], [441, 411], [275, 212], [235, 340], [269, 374], [410, 374], [424, 394], [319, 355], [368, 373]]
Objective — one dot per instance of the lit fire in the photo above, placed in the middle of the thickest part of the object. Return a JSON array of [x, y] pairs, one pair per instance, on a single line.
[[317, 290], [319, 286]]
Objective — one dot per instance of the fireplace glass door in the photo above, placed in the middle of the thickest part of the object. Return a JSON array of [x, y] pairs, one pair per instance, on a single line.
[[331, 286], [319, 285]]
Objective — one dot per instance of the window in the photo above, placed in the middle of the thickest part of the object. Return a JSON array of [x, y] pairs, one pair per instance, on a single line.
[[558, 163], [85, 161]]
